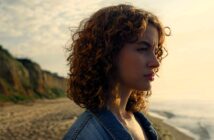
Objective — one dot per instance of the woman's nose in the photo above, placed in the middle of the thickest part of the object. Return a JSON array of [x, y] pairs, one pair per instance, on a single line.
[[153, 63]]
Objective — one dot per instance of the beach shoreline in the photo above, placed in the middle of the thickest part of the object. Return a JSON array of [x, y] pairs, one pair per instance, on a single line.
[[163, 119], [167, 131], [50, 119]]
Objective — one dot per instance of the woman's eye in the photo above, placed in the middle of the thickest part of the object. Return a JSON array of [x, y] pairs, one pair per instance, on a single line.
[[142, 49]]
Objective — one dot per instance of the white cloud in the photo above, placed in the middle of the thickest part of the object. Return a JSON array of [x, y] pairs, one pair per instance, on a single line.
[[39, 29]]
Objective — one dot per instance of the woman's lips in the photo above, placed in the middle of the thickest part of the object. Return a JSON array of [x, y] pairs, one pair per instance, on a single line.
[[150, 76]]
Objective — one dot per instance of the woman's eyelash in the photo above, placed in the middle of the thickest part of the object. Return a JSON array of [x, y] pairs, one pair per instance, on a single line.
[[142, 49]]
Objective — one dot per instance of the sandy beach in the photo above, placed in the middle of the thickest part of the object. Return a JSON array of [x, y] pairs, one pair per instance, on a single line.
[[50, 119]]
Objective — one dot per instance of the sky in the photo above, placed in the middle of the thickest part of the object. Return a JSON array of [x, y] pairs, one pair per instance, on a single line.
[[40, 30]]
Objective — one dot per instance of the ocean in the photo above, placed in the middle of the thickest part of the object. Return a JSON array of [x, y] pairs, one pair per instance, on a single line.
[[193, 117]]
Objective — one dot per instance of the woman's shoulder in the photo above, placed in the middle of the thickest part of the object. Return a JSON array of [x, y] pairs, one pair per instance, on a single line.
[[85, 127], [78, 126]]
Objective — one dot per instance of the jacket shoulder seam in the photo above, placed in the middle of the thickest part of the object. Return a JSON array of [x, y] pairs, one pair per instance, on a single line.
[[82, 125]]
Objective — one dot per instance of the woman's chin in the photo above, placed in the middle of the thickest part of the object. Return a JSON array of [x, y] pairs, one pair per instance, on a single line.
[[144, 87]]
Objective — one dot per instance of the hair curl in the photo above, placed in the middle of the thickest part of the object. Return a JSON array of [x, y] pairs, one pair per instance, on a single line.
[[95, 45]]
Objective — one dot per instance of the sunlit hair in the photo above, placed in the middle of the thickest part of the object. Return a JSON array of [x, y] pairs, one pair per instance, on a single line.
[[95, 45]]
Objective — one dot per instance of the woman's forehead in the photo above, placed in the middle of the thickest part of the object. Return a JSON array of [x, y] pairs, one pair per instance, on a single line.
[[150, 35]]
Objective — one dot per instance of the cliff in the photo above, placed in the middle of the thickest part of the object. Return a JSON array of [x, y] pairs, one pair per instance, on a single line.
[[23, 79]]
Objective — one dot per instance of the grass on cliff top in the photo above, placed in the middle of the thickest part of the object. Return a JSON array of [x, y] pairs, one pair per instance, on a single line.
[[53, 93]]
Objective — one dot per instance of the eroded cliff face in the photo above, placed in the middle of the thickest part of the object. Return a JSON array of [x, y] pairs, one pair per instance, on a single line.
[[22, 79], [53, 80]]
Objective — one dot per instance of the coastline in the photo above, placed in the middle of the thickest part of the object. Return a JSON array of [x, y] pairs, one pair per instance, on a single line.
[[167, 131], [50, 119]]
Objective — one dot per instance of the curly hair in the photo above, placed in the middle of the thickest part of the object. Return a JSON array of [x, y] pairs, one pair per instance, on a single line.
[[95, 45]]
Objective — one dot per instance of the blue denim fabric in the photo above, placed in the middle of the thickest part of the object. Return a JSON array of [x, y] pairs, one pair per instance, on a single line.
[[103, 125]]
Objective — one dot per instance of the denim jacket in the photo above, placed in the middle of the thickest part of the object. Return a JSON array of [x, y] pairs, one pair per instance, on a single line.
[[103, 125]]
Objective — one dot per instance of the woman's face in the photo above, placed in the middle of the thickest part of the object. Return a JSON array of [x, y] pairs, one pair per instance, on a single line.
[[136, 60]]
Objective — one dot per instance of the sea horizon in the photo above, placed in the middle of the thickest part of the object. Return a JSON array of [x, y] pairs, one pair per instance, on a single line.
[[192, 117]]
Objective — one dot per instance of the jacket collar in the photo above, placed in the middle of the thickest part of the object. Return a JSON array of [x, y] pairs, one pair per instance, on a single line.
[[111, 124], [146, 124], [115, 128]]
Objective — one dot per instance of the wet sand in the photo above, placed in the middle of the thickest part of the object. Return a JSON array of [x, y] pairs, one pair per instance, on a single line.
[[50, 119]]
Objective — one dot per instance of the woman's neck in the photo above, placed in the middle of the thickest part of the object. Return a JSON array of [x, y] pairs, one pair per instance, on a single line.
[[118, 106]]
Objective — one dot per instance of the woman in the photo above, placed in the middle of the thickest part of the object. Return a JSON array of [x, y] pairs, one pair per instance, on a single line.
[[113, 58]]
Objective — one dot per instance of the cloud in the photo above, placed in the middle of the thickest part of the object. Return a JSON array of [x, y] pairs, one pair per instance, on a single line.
[[40, 29]]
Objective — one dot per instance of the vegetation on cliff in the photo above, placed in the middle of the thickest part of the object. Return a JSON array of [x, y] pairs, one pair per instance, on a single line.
[[23, 80]]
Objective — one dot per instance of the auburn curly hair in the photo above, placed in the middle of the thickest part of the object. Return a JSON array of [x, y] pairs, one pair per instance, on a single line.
[[95, 45]]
